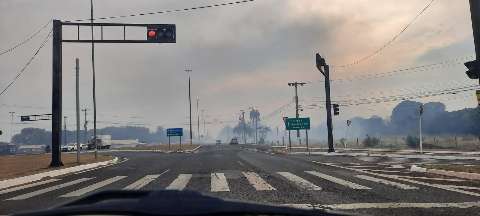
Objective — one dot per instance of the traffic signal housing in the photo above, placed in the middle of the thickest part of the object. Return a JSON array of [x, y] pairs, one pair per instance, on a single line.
[[161, 33], [473, 69], [336, 109]]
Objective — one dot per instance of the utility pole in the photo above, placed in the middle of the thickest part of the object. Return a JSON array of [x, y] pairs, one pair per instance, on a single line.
[[65, 130], [198, 120], [324, 68], [190, 103], [242, 120], [85, 133], [77, 75], [420, 111], [94, 85], [297, 114], [11, 125]]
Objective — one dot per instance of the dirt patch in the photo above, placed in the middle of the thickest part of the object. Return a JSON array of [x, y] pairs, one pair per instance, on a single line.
[[164, 147], [22, 165], [455, 167]]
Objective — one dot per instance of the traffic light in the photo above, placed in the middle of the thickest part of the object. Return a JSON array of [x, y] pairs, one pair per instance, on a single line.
[[161, 33], [473, 69], [336, 109]]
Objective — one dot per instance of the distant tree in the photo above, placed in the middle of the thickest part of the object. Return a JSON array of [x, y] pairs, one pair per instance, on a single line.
[[412, 141], [371, 141]]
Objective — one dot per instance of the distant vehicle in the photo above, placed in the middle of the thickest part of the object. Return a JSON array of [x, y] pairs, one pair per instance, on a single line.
[[103, 142], [218, 142], [69, 147], [234, 141], [83, 146]]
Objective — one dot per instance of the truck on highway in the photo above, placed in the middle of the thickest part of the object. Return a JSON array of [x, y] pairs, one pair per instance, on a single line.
[[103, 142]]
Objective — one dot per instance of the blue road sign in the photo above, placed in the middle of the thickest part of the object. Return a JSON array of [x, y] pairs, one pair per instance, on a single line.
[[175, 132]]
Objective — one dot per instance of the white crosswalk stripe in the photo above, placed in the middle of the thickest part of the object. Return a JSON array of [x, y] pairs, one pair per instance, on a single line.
[[300, 182], [257, 182], [93, 187], [141, 182], [219, 182], [386, 182], [13, 189], [49, 189], [338, 181], [180, 182]]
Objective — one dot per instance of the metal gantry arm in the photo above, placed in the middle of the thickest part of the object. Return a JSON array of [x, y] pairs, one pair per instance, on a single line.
[[155, 33]]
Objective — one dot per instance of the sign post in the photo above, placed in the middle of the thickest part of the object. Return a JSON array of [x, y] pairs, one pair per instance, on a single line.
[[297, 124], [175, 132]]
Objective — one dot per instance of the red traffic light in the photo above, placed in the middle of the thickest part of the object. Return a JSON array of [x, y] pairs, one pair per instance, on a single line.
[[152, 33]]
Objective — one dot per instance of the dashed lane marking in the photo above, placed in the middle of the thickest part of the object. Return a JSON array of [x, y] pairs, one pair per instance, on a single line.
[[386, 182], [93, 187], [338, 181], [257, 182], [180, 182], [49, 189], [9, 190], [300, 182], [219, 182]]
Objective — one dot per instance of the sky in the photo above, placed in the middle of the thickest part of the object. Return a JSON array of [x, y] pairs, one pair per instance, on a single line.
[[241, 56]]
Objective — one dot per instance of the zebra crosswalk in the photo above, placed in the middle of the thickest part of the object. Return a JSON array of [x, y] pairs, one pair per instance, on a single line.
[[220, 182]]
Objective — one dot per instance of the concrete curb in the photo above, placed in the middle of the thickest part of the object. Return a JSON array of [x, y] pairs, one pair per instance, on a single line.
[[54, 173]]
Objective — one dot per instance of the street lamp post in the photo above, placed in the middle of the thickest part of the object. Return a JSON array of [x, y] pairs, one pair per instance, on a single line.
[[190, 103]]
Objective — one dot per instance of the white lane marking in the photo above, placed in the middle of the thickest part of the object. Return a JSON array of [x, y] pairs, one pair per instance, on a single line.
[[354, 206], [402, 205], [219, 182], [396, 166], [241, 164], [386, 182], [387, 171], [180, 182], [300, 182], [363, 166], [405, 180], [143, 181], [338, 181], [27, 186], [257, 182], [93, 187], [49, 189], [435, 179]]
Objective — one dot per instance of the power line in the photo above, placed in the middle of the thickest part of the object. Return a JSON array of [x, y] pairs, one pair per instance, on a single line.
[[25, 40], [27, 64], [414, 69], [390, 42], [166, 11]]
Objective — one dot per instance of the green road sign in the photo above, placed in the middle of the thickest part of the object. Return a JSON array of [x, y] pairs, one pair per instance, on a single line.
[[297, 123]]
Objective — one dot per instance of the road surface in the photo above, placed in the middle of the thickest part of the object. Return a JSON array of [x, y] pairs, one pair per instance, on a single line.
[[358, 185]]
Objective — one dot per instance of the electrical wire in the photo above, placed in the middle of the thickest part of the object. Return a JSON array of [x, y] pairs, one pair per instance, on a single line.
[[32, 35], [165, 11], [27, 64], [390, 42]]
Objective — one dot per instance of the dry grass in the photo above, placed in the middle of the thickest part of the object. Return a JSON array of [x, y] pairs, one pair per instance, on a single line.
[[21, 165], [455, 167], [163, 147]]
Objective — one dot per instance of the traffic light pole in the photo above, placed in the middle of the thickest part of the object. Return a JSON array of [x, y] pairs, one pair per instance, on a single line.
[[475, 14], [325, 70], [164, 33]]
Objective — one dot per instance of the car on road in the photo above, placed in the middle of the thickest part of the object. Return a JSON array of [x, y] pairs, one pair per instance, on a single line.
[[83, 146], [234, 141], [218, 142], [69, 147]]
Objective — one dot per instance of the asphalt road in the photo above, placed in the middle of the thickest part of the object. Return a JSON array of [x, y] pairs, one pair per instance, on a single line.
[[358, 185]]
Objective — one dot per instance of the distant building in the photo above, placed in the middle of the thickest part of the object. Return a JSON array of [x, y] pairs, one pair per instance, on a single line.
[[125, 143], [31, 149]]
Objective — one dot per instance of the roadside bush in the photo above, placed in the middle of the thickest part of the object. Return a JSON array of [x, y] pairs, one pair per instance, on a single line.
[[371, 141]]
